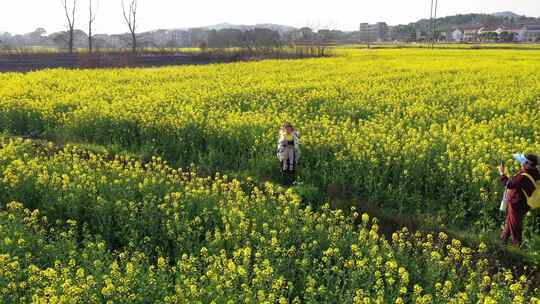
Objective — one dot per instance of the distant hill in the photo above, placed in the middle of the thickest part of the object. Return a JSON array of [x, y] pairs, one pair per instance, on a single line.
[[498, 19], [507, 19], [275, 27], [506, 15]]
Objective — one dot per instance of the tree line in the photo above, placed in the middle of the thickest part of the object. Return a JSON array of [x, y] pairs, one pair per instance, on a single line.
[[247, 38], [72, 37]]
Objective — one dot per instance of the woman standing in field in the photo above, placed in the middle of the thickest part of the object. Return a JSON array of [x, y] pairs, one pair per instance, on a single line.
[[288, 153], [520, 188]]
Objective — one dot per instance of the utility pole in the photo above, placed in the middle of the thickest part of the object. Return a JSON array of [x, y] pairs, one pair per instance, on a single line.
[[435, 23], [368, 37], [430, 31]]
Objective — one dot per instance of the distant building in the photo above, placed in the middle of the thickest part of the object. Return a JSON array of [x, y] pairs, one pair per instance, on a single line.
[[366, 32], [181, 38], [488, 34], [529, 33], [471, 34], [446, 36], [110, 41], [156, 38], [398, 35], [487, 30], [474, 33], [197, 37], [457, 35], [422, 35], [377, 32]]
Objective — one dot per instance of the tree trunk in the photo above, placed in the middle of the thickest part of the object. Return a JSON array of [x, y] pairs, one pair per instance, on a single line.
[[71, 41], [134, 42], [90, 37]]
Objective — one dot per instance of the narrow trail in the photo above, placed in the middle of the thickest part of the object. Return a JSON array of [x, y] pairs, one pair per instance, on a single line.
[[501, 256]]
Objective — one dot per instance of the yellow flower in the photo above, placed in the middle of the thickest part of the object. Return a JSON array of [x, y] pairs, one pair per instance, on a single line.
[[489, 300], [482, 248], [365, 218], [162, 263], [487, 281], [417, 289]]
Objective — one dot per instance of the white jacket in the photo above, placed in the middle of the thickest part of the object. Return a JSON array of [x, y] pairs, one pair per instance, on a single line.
[[282, 145]]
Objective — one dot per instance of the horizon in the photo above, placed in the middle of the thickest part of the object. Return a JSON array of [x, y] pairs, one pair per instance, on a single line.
[[152, 16]]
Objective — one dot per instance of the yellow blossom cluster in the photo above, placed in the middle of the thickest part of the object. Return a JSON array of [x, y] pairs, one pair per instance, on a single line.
[[414, 129], [85, 227]]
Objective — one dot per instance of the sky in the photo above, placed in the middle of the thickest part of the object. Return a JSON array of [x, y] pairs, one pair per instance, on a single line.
[[23, 16]]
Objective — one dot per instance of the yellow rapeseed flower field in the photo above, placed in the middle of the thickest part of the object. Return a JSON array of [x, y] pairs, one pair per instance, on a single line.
[[417, 131], [115, 230]]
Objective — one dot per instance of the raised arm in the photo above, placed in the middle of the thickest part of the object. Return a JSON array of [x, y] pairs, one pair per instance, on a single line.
[[512, 183]]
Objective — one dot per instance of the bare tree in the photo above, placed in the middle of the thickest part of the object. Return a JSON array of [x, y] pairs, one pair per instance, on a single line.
[[70, 16], [130, 17], [91, 19]]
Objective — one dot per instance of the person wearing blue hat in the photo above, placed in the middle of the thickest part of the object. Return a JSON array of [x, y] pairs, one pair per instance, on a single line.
[[516, 200]]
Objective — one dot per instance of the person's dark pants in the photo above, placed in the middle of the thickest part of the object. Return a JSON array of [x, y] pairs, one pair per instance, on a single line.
[[288, 170], [289, 177], [513, 225], [288, 166]]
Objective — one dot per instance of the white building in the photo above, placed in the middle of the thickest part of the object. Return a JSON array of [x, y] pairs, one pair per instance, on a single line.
[[379, 31], [457, 35], [486, 30], [529, 33], [508, 30], [471, 33]]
